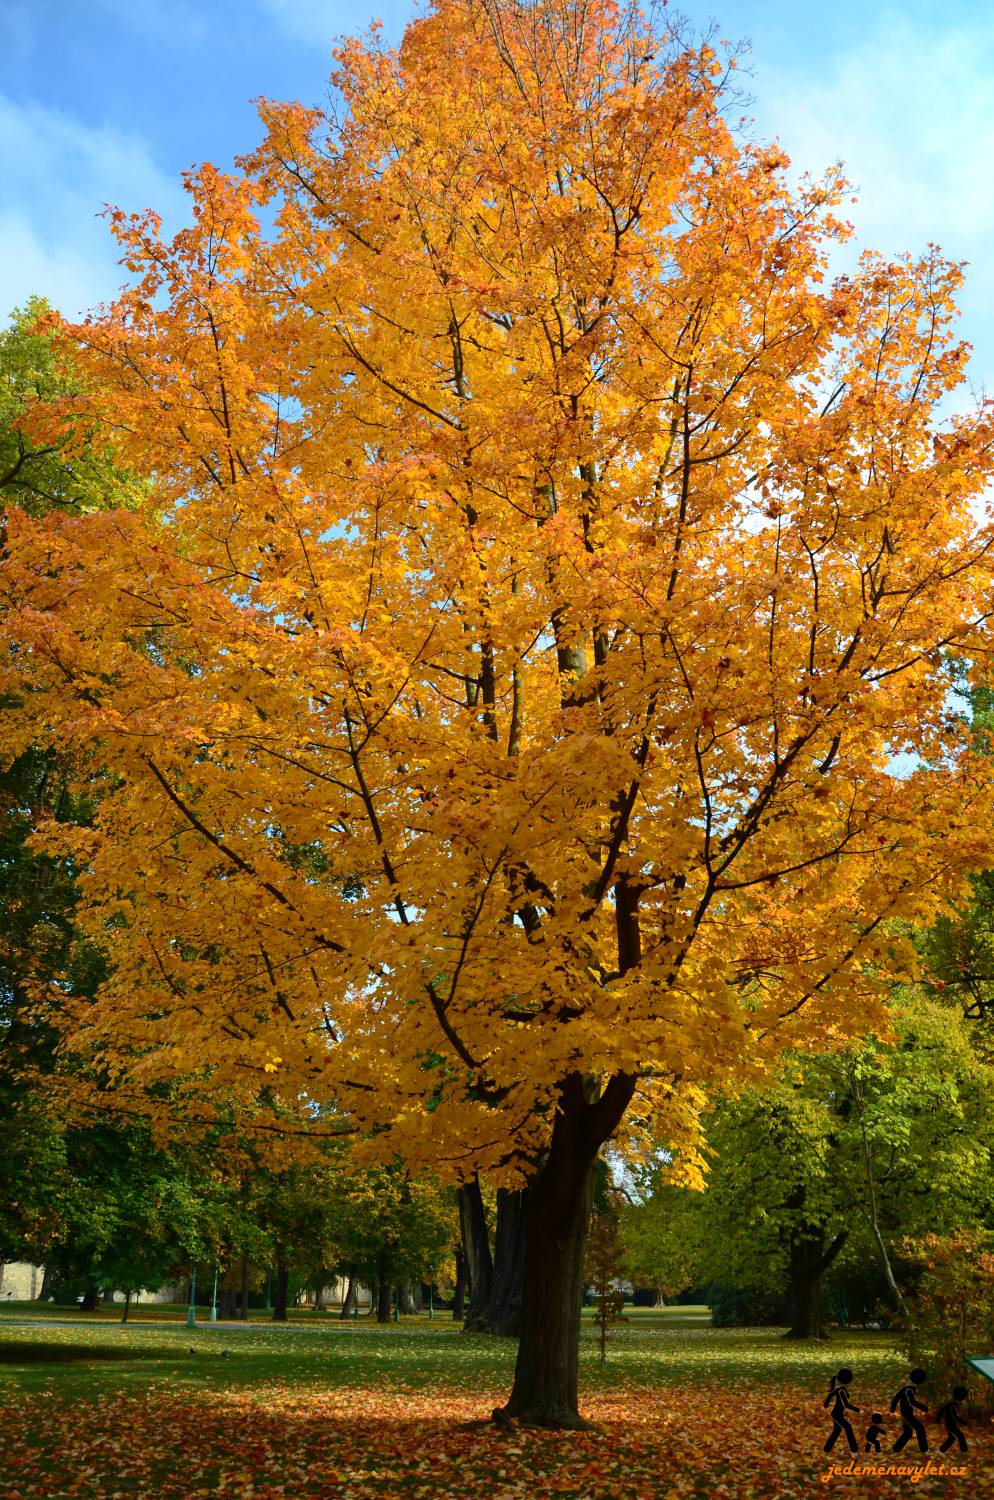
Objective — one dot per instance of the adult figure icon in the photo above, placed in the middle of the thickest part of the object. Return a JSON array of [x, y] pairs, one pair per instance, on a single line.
[[905, 1405], [838, 1399]]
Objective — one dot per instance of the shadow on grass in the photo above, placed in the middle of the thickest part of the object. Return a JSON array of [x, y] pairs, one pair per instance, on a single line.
[[25, 1353]]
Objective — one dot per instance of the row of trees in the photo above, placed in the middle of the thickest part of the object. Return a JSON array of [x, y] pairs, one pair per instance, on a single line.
[[488, 677]]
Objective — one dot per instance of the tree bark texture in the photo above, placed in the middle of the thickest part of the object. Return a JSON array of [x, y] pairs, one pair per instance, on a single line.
[[282, 1291], [459, 1294], [351, 1293], [509, 1263], [545, 1391], [383, 1299], [477, 1255], [809, 1260], [243, 1304]]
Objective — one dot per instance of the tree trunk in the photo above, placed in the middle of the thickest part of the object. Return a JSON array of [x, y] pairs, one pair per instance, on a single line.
[[351, 1293], [243, 1305], [90, 1299], [127, 1307], [410, 1298], [509, 1263], [46, 1285], [383, 1299], [282, 1292], [476, 1252], [546, 1373], [809, 1260], [459, 1294]]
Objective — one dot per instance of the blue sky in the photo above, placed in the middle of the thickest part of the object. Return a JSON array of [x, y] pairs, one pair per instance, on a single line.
[[109, 101]]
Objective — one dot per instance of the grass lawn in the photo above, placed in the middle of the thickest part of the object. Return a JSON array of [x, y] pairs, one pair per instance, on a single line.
[[354, 1410]]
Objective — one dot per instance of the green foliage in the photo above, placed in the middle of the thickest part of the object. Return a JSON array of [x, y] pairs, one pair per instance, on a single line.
[[899, 1132], [744, 1307], [661, 1238], [48, 459], [386, 1224], [138, 1214]]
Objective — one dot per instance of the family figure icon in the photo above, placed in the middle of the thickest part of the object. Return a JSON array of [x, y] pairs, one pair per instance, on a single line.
[[904, 1404]]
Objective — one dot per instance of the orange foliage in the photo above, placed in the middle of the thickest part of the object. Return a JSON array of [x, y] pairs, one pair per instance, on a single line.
[[544, 564]]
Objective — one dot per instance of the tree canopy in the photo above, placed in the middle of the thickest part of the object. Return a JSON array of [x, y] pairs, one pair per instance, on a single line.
[[544, 563]]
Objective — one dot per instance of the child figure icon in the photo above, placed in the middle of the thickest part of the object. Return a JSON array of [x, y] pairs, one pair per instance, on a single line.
[[949, 1416], [838, 1399], [874, 1433]]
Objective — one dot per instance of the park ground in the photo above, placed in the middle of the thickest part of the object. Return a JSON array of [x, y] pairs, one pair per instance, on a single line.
[[354, 1411]]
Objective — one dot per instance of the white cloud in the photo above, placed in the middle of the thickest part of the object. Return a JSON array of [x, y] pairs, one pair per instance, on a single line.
[[910, 113], [318, 23], [58, 174], [165, 19], [314, 22]]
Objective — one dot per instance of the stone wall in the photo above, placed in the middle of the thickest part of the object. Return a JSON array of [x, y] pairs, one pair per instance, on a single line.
[[19, 1282]]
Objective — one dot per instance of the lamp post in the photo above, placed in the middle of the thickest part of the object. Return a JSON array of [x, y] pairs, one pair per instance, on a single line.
[[214, 1298], [191, 1312]]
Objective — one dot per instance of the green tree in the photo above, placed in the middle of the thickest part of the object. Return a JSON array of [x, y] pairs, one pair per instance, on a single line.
[[847, 1151], [660, 1233], [390, 1227], [47, 464]]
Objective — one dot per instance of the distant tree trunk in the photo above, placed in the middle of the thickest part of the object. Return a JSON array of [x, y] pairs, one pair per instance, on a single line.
[[127, 1307], [282, 1292], [459, 1295], [319, 1296], [226, 1302], [90, 1299], [243, 1307], [809, 1260], [509, 1263], [383, 1299], [410, 1298], [46, 1285], [476, 1251], [889, 1277], [351, 1296]]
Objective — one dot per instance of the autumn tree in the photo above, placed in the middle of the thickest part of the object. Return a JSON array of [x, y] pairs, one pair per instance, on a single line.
[[544, 564]]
